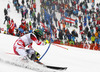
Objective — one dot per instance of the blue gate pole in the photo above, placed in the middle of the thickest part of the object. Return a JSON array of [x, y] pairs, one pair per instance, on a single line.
[[49, 44]]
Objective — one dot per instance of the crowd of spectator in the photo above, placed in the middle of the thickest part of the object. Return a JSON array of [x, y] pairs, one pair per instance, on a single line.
[[87, 20]]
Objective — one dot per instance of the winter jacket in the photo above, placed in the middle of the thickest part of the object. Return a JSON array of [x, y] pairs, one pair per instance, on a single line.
[[33, 14], [10, 31], [53, 7], [91, 46], [91, 30], [85, 19], [47, 3], [66, 14], [61, 35], [34, 5], [85, 23], [93, 38], [98, 28], [69, 37], [88, 17], [71, 42], [80, 27], [89, 34], [96, 34], [99, 35], [73, 38], [97, 40], [5, 12], [96, 47], [30, 23], [21, 30], [8, 26], [23, 2]]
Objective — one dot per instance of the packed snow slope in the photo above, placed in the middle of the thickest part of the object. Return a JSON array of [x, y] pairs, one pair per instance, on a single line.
[[76, 59]]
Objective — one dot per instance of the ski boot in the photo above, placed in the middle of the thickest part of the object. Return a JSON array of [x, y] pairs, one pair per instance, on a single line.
[[34, 56]]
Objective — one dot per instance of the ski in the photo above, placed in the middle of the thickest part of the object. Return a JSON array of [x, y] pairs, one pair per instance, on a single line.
[[52, 67], [56, 68]]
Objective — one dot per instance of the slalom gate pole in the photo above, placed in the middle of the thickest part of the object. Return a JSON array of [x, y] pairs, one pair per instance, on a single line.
[[49, 44], [45, 52]]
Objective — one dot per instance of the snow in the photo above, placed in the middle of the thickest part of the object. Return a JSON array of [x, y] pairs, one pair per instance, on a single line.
[[12, 68], [76, 59]]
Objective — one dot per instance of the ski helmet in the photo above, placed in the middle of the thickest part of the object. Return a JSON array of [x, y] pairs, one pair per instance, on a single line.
[[38, 32]]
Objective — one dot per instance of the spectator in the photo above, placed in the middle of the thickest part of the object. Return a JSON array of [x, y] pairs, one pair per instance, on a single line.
[[17, 8], [99, 47], [79, 17], [86, 30], [88, 17], [8, 26], [61, 35], [64, 25], [35, 18], [93, 38], [26, 13], [96, 34], [47, 23], [34, 24], [86, 46], [73, 38], [22, 13], [84, 37], [31, 16], [30, 25], [11, 31], [76, 21], [23, 2], [34, 6], [5, 32], [55, 19], [17, 33], [7, 18], [92, 46], [96, 46], [89, 35], [81, 27], [89, 23], [69, 36], [85, 23], [91, 29], [43, 21], [5, 12], [71, 42], [38, 18]]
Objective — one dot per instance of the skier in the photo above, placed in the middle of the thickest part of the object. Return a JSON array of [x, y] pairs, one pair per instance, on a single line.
[[27, 40], [5, 11]]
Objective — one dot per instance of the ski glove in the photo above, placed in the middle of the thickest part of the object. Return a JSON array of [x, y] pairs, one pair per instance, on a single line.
[[37, 54]]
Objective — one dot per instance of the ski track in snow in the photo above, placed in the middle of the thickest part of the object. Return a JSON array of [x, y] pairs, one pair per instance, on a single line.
[[16, 61]]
